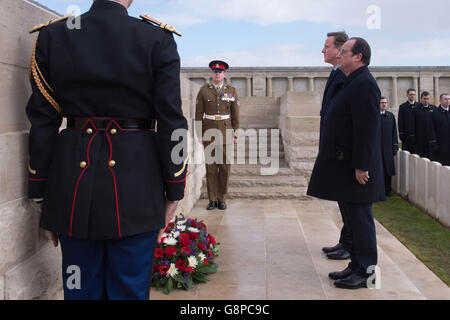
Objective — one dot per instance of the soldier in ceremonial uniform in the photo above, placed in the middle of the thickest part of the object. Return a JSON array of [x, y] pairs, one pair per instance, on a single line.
[[108, 181], [405, 119], [441, 123], [218, 108], [389, 144], [424, 134]]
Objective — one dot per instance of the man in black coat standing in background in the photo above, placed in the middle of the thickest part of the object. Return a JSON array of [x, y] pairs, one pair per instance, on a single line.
[[336, 80], [389, 144], [348, 168], [405, 119], [423, 128], [441, 124]]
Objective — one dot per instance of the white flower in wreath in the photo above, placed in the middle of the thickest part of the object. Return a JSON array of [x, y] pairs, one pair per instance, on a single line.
[[201, 256], [192, 261], [181, 228], [181, 222], [164, 235], [170, 241], [175, 234], [192, 229], [173, 271]]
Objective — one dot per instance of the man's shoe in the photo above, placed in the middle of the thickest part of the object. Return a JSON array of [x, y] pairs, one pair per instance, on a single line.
[[340, 254], [341, 274], [211, 205], [222, 205], [331, 249], [354, 281]]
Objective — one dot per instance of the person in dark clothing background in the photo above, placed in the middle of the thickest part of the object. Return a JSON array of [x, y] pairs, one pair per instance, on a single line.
[[425, 142], [405, 119], [441, 124], [389, 144]]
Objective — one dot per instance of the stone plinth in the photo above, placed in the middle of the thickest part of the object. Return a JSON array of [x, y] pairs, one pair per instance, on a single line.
[[404, 161], [422, 184], [443, 207]]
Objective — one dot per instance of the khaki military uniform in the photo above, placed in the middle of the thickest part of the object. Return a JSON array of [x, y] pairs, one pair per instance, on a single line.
[[211, 102]]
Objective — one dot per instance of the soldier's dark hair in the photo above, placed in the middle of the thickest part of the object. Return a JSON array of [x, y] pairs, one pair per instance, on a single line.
[[442, 95], [425, 94], [382, 98], [339, 38], [363, 47], [409, 90]]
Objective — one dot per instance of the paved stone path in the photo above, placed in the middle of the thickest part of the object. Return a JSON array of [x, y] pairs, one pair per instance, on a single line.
[[271, 249]]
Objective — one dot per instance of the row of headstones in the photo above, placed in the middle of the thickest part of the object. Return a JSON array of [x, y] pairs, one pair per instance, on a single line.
[[425, 184]]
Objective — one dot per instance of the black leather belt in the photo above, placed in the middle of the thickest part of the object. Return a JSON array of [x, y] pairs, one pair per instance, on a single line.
[[105, 123]]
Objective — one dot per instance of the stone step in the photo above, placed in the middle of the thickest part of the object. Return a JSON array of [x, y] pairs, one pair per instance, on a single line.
[[255, 170], [264, 181], [281, 155], [259, 193]]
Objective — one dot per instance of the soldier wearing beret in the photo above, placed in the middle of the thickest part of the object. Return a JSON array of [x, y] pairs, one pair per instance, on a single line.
[[107, 181], [217, 108]]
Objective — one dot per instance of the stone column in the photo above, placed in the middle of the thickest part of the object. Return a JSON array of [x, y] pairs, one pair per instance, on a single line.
[[436, 90], [395, 89], [227, 80], [416, 85], [311, 84], [290, 84], [207, 81], [269, 87], [249, 87]]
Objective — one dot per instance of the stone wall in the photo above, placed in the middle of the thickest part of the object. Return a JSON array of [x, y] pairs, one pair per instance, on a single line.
[[275, 82], [30, 267], [424, 183]]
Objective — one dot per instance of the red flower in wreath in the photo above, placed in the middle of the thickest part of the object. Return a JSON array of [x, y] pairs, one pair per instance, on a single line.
[[185, 251], [158, 253], [164, 268], [185, 240], [189, 269], [206, 261], [193, 235], [170, 251], [212, 240], [210, 254], [181, 265], [201, 246]]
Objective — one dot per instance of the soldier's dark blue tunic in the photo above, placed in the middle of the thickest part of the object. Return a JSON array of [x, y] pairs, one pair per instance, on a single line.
[[114, 67]]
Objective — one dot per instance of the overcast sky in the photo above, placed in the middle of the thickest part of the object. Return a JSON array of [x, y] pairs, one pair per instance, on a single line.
[[251, 33]]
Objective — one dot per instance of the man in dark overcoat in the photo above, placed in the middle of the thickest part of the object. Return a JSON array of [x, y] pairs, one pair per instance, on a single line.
[[335, 81], [348, 168], [405, 119], [425, 143], [108, 181], [441, 124], [389, 144]]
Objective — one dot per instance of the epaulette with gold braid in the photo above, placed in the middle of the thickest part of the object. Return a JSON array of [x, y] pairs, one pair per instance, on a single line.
[[41, 83], [42, 25], [162, 25]]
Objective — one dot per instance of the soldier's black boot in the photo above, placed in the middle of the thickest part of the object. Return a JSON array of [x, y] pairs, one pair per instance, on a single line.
[[222, 205], [211, 205]]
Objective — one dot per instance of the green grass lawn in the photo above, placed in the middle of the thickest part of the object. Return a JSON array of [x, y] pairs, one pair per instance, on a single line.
[[421, 234]]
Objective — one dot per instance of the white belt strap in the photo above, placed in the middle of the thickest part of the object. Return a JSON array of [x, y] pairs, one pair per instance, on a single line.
[[217, 117]]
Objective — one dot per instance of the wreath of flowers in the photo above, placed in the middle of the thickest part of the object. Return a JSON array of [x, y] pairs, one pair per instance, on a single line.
[[184, 256]]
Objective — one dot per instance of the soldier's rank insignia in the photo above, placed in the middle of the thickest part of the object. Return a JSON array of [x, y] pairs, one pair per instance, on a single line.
[[162, 25]]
